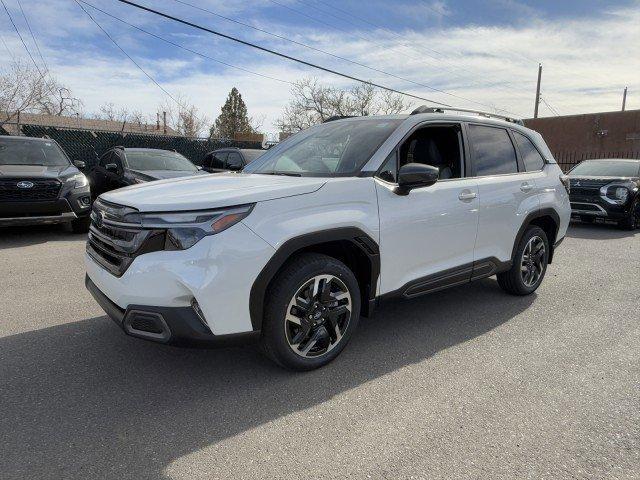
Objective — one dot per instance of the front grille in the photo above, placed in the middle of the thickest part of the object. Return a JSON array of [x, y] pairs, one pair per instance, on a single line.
[[33, 190], [586, 187], [115, 244]]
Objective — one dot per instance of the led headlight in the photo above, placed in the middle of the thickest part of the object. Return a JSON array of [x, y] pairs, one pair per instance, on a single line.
[[185, 229], [618, 192], [80, 180], [621, 194]]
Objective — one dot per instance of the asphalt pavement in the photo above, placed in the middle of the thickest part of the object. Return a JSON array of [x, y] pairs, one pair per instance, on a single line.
[[464, 383]]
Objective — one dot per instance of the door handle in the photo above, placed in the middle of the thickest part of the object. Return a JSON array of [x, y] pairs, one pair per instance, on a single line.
[[467, 196], [526, 187]]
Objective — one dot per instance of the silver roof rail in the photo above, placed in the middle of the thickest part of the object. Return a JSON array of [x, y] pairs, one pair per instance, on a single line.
[[427, 109]]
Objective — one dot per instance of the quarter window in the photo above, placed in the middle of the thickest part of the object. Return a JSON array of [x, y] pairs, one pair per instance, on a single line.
[[532, 159], [493, 152]]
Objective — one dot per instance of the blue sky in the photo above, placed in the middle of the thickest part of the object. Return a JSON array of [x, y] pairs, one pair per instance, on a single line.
[[483, 53]]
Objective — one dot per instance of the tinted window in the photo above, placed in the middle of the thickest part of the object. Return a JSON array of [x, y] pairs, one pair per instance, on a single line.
[[106, 159], [335, 148], [251, 155], [219, 158], [389, 171], [234, 161], [607, 168], [532, 159], [30, 152], [158, 160], [493, 152]]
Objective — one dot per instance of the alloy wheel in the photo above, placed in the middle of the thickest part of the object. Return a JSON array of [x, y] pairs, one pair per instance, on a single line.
[[318, 316], [533, 261]]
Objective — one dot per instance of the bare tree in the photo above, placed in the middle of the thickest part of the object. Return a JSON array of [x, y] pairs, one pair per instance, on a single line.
[[313, 102], [23, 89], [184, 117]]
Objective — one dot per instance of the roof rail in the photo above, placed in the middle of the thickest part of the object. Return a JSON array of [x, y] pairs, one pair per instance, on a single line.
[[427, 109], [337, 117]]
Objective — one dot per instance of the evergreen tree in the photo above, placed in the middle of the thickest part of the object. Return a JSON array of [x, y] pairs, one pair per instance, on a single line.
[[233, 117]]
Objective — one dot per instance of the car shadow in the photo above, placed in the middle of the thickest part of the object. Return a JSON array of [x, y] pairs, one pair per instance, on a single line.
[[16, 237], [82, 400], [597, 231]]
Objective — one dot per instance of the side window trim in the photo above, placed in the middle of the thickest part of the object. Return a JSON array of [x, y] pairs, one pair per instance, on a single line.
[[430, 123], [473, 160], [544, 160]]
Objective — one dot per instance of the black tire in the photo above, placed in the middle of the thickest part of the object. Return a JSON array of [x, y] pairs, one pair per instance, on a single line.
[[633, 220], [80, 225], [298, 272], [587, 219], [513, 280]]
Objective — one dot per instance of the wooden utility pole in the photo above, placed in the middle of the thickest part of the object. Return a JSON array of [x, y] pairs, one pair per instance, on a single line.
[[164, 122], [624, 99], [535, 111]]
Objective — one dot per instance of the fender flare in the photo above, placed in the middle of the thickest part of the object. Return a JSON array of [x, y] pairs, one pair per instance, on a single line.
[[354, 235], [543, 212]]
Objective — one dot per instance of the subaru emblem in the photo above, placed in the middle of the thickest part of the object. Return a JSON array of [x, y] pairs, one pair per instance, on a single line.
[[99, 219], [24, 184]]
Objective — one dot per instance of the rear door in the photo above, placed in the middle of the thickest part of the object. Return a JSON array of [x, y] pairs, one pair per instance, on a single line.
[[506, 191]]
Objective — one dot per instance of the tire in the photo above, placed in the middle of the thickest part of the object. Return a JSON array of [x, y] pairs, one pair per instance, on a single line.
[[587, 219], [633, 220], [80, 225], [518, 281], [315, 340]]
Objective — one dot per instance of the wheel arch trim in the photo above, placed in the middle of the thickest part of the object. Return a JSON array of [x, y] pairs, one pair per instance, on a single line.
[[544, 212]]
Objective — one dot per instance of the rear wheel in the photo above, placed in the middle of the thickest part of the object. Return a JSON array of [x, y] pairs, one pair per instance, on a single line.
[[529, 263], [312, 309]]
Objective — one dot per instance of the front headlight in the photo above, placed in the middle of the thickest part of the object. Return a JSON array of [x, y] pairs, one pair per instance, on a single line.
[[80, 180], [617, 192], [185, 229]]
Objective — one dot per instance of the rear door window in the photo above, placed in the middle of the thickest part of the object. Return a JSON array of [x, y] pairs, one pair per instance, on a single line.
[[218, 160], [532, 159], [493, 151]]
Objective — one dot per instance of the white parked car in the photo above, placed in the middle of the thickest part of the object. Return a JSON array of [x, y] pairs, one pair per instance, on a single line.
[[319, 229]]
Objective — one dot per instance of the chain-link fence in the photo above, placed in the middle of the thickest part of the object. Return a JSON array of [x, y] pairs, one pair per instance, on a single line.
[[567, 160], [88, 145]]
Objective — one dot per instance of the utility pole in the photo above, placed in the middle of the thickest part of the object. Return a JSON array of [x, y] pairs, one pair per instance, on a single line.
[[624, 99], [535, 112], [164, 122]]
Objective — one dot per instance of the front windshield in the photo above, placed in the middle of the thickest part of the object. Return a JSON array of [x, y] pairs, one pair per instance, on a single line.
[[607, 168], [159, 160], [30, 152], [339, 148]]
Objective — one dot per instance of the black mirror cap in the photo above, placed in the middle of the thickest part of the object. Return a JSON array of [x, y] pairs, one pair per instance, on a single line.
[[416, 175], [80, 164]]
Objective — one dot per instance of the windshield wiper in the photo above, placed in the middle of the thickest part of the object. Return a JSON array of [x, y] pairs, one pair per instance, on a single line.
[[288, 174]]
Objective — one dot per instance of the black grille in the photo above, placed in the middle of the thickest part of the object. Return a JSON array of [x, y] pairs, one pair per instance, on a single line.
[[587, 187], [115, 246], [586, 207], [146, 323], [33, 190]]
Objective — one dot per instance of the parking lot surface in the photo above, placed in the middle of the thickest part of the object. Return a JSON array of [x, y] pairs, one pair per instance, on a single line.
[[464, 383]]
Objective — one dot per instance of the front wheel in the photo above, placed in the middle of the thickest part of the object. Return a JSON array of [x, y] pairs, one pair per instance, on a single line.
[[529, 263], [633, 220], [312, 309]]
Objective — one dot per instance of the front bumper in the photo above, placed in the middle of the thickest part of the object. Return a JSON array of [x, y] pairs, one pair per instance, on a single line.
[[597, 207], [170, 325], [60, 210]]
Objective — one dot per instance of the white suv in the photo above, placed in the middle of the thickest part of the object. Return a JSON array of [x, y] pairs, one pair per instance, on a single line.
[[319, 229]]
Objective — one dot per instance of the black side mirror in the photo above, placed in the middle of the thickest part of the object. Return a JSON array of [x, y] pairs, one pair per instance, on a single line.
[[80, 164], [111, 167], [416, 175], [234, 168]]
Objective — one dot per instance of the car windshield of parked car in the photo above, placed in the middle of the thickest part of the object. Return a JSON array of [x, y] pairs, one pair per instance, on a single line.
[[339, 148], [607, 168], [29, 152], [159, 161], [251, 155]]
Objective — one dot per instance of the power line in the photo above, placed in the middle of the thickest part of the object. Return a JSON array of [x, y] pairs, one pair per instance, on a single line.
[[276, 53], [331, 54], [126, 54], [7, 48], [183, 47], [21, 39], [46, 67]]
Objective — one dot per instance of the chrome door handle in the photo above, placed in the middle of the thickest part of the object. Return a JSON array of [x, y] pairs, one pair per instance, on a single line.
[[526, 187], [467, 196]]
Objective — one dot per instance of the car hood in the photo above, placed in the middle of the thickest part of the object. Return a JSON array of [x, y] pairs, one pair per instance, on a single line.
[[149, 175], [37, 171], [211, 191]]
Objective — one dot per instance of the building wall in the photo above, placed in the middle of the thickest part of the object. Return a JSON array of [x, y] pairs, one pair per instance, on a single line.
[[593, 134]]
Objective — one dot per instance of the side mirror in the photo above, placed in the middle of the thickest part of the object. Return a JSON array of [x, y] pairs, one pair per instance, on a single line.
[[111, 167], [234, 168], [416, 175], [80, 164]]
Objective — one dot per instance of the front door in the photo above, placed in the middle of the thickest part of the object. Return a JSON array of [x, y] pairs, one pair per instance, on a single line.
[[427, 237]]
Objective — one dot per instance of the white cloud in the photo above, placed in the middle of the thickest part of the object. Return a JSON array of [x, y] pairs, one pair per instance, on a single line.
[[587, 61]]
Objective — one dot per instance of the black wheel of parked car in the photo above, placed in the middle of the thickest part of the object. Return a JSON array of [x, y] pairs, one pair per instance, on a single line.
[[81, 225], [587, 219], [529, 263], [632, 221], [312, 309]]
